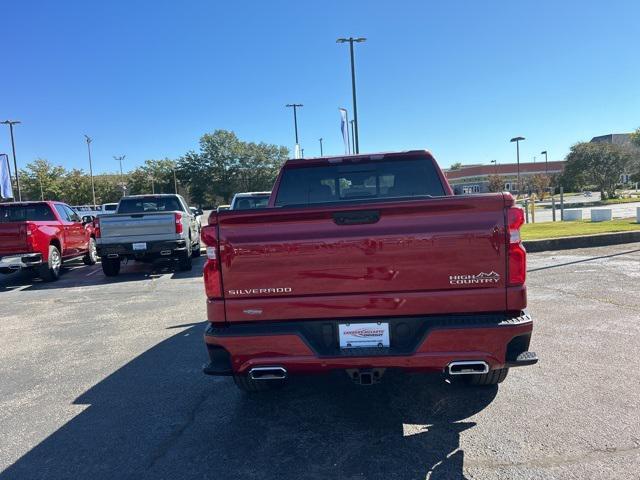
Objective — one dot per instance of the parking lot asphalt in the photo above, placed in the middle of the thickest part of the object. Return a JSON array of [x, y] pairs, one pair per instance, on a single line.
[[101, 379]]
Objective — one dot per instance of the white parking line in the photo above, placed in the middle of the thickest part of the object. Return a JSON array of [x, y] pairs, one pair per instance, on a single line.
[[91, 273]]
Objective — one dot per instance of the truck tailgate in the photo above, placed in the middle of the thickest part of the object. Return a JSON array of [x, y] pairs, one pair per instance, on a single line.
[[440, 255], [13, 238], [142, 224]]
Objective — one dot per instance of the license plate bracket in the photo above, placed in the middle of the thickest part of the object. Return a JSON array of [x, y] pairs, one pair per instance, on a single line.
[[363, 335]]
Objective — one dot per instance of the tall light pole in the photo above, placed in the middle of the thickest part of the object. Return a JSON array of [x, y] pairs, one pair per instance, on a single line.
[[120, 159], [321, 152], [11, 123], [353, 142], [175, 180], [93, 188], [518, 140], [546, 162], [495, 164], [295, 107], [351, 41]]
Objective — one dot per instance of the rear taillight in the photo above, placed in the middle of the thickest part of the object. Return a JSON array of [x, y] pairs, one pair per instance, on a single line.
[[96, 227], [32, 240], [178, 223], [517, 253], [212, 273]]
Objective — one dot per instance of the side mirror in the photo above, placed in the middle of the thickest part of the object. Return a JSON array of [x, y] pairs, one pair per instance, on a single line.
[[88, 219]]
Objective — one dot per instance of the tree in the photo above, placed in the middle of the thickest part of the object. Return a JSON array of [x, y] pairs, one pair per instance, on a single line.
[[42, 178], [154, 176], [596, 164], [456, 166], [635, 138], [540, 184], [75, 187], [226, 165], [496, 183]]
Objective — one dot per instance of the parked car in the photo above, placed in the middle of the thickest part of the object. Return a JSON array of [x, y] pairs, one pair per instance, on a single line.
[[40, 236], [83, 210], [109, 208], [249, 200], [147, 228], [366, 263], [197, 213], [222, 208]]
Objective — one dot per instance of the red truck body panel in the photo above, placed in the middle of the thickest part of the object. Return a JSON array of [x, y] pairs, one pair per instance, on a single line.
[[35, 236], [450, 269], [405, 263]]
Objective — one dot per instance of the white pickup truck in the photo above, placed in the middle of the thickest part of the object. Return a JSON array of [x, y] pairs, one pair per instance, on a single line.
[[147, 228]]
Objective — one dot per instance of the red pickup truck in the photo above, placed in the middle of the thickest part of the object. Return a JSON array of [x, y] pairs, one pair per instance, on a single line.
[[366, 263], [39, 236]]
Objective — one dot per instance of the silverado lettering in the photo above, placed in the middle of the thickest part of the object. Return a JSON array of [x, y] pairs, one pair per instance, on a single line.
[[257, 291]]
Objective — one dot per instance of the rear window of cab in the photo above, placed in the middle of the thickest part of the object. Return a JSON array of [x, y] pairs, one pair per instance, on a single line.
[[373, 180], [35, 212]]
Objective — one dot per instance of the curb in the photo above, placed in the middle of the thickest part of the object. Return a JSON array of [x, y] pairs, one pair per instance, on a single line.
[[585, 241]]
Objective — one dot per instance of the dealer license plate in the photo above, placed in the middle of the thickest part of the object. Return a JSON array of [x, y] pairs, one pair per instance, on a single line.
[[140, 246], [358, 335]]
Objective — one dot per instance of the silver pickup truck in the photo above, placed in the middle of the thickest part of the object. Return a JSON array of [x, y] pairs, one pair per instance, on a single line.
[[146, 228]]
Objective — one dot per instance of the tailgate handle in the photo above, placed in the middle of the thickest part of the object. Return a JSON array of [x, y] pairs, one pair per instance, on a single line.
[[356, 218]]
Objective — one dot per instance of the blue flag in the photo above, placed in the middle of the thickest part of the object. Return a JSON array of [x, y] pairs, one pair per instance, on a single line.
[[5, 177], [344, 126]]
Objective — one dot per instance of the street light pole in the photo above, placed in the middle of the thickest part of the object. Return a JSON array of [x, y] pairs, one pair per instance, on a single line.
[[546, 162], [518, 140], [175, 180], [351, 41], [93, 188], [295, 107], [321, 152], [352, 122], [11, 123], [120, 159], [495, 164]]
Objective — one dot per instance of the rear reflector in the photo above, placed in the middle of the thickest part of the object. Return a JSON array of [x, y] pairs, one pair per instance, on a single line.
[[517, 253], [96, 227], [178, 223]]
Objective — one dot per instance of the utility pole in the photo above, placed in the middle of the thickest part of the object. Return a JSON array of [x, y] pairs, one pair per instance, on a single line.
[[495, 164], [351, 41], [11, 123], [546, 162], [120, 159], [175, 180], [295, 107], [93, 188], [153, 187], [518, 140], [321, 152], [41, 189], [353, 142]]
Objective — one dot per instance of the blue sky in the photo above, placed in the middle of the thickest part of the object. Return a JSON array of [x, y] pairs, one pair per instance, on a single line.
[[147, 79]]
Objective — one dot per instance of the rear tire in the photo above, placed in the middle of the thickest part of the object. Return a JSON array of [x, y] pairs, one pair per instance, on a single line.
[[493, 377], [111, 266], [91, 258], [196, 250], [246, 384], [50, 272], [184, 261]]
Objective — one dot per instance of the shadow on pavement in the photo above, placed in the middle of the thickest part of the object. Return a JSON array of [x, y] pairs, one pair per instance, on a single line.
[[590, 259], [159, 417], [76, 274]]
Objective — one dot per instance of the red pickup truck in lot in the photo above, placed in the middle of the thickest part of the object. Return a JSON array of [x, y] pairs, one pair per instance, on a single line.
[[39, 236], [362, 264]]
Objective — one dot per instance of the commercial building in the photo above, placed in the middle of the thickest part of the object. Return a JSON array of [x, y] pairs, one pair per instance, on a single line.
[[475, 178]]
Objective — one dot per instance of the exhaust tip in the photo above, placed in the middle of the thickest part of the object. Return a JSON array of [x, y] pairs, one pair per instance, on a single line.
[[268, 373], [468, 367]]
